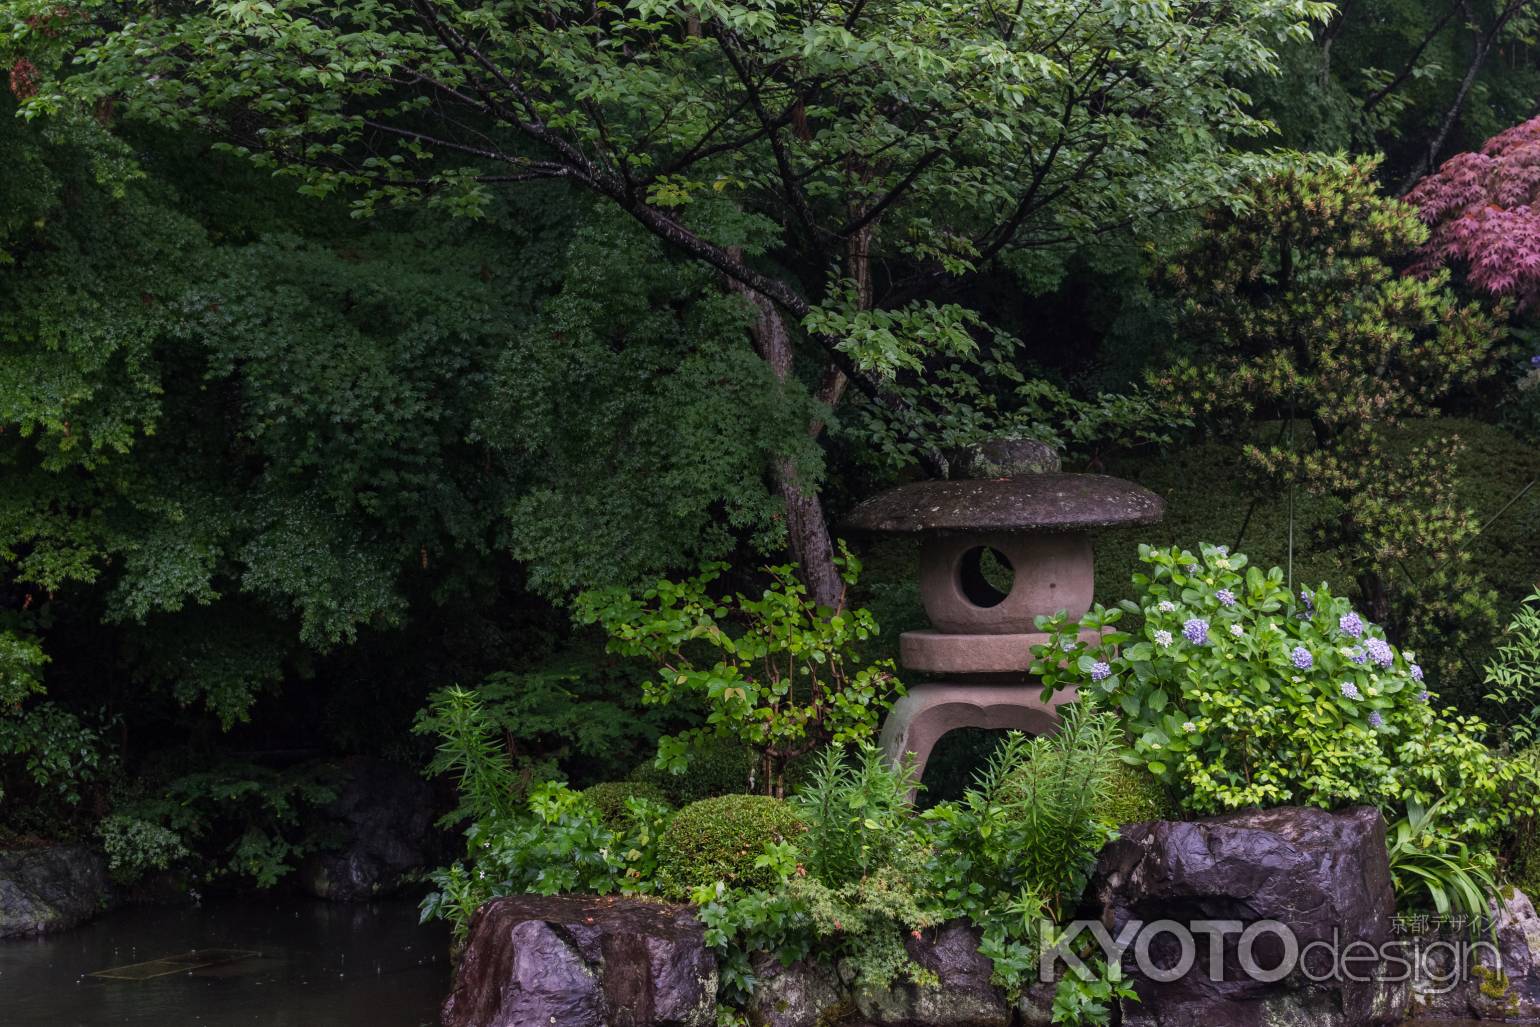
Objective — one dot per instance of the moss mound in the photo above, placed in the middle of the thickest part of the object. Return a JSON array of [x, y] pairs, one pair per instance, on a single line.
[[718, 766], [609, 798], [719, 839], [1135, 795]]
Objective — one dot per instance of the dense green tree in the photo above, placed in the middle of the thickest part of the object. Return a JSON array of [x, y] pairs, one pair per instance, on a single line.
[[1299, 314], [840, 166]]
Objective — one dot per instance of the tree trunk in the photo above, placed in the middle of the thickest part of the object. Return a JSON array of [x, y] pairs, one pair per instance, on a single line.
[[807, 530]]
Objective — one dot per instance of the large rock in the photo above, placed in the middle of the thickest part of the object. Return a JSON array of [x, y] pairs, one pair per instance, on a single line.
[[965, 998], [1488, 976], [583, 961], [384, 816], [50, 889], [1323, 876], [804, 994]]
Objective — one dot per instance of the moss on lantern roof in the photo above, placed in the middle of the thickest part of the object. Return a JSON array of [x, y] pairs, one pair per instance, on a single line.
[[1047, 502]]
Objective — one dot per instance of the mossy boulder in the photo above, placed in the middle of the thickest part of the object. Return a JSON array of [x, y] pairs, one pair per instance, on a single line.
[[609, 798], [1134, 795], [718, 839]]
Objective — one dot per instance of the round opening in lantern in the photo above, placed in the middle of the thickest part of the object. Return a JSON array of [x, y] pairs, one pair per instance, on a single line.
[[985, 576]]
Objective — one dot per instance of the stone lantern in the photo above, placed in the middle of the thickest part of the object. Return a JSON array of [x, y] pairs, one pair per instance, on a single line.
[[998, 548]]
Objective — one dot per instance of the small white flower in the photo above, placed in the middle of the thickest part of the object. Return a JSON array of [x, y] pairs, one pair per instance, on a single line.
[[1163, 638], [1237, 630], [1189, 726], [1166, 606]]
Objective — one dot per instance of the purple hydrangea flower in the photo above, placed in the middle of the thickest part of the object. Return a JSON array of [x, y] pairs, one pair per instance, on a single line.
[[1163, 638], [1534, 361], [1225, 597], [1416, 672], [1301, 658], [1222, 550], [1100, 671], [1379, 651], [1308, 599], [1350, 624], [1375, 720], [1351, 691], [1237, 630], [1166, 606], [1422, 696], [1196, 631], [1358, 656]]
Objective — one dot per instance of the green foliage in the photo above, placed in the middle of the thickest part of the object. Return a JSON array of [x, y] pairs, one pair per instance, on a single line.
[[470, 748], [1237, 694], [717, 766], [723, 839], [1019, 846], [238, 822], [787, 676], [1514, 674], [610, 799], [47, 755], [1296, 310], [1426, 867], [1135, 795], [137, 847], [1089, 1000], [560, 843], [854, 810], [21, 665]]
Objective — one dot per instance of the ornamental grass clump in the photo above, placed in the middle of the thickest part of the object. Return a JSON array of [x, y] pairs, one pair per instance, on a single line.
[[1236, 693]]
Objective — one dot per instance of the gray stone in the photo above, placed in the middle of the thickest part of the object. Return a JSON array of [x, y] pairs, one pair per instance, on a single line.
[[583, 961], [1500, 980], [927, 712], [384, 815], [1024, 502], [998, 458], [1323, 875], [50, 889], [804, 994], [964, 998]]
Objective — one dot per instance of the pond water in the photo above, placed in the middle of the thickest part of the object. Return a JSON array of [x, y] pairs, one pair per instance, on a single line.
[[288, 963]]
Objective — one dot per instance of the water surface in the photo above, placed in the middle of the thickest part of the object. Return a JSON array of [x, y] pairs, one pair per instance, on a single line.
[[319, 965]]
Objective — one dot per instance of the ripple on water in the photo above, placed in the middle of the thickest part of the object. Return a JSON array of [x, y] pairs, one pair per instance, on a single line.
[[318, 965]]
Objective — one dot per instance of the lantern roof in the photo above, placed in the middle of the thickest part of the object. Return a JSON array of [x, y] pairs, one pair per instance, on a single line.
[[1043, 502]]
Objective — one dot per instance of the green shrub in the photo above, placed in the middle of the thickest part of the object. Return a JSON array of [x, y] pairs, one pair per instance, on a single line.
[[1238, 693], [137, 847], [609, 799], [1135, 795], [720, 839], [718, 766]]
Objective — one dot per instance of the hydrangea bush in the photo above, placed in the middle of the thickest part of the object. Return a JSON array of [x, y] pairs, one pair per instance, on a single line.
[[1237, 693]]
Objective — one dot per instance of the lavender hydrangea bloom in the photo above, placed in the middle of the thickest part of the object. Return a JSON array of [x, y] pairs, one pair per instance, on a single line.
[[1351, 691], [1423, 696], [1196, 631], [1166, 606], [1225, 597], [1379, 651], [1358, 656], [1163, 638], [1237, 630], [1351, 624], [1222, 550], [1301, 658], [1416, 672], [1308, 599], [1534, 361], [1375, 720], [1100, 671]]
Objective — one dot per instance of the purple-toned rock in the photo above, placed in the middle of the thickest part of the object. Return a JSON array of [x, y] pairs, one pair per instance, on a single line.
[[1323, 877], [583, 961], [804, 994], [965, 997], [1486, 975]]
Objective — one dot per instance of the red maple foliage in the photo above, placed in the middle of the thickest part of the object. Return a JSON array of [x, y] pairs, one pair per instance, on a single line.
[[24, 79], [1483, 212]]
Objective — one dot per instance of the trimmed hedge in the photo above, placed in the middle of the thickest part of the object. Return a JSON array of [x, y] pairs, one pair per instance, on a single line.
[[719, 839], [718, 766], [609, 798], [1135, 795]]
